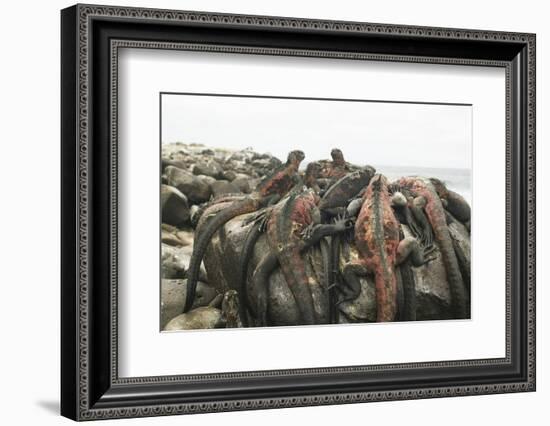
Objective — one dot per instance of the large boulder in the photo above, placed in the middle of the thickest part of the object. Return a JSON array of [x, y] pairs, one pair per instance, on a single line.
[[265, 164], [229, 175], [243, 183], [180, 164], [209, 180], [195, 189], [209, 168], [223, 258], [174, 206]]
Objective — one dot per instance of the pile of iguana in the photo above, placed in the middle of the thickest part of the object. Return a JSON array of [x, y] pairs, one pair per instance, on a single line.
[[292, 226], [298, 211]]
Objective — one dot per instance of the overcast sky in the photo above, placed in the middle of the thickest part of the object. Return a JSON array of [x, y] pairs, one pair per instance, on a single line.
[[412, 135]]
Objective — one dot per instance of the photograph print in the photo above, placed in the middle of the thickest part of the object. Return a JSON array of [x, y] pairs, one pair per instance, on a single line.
[[282, 211]]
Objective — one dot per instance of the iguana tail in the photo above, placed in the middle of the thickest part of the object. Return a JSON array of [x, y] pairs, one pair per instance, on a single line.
[[293, 267], [326, 253], [330, 264], [206, 208], [385, 281], [248, 249], [260, 282], [409, 292], [201, 243]]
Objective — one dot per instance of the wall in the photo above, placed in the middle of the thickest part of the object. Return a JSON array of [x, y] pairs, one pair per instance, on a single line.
[[29, 229]]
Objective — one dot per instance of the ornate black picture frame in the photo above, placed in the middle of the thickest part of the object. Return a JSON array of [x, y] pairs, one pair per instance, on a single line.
[[91, 387]]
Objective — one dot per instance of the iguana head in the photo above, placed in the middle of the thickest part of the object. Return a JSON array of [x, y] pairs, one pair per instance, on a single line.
[[440, 188], [295, 158], [337, 156], [313, 170], [378, 182]]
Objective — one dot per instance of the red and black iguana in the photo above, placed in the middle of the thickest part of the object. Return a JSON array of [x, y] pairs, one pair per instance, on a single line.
[[269, 190], [380, 249], [258, 228], [292, 226]]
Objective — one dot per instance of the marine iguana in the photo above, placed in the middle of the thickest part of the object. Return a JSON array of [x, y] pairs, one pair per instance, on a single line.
[[462, 253], [436, 215], [269, 190], [336, 168], [259, 227], [293, 226], [409, 211], [337, 198], [380, 249], [343, 199], [313, 170], [453, 202], [403, 208]]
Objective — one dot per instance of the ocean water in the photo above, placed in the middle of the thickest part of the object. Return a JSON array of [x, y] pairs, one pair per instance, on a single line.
[[458, 180]]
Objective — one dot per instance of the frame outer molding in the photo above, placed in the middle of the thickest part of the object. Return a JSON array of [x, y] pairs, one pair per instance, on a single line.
[[76, 35]]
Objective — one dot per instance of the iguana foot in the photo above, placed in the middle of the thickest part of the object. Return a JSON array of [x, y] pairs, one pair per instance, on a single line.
[[429, 254], [259, 215], [410, 248], [308, 232], [343, 222]]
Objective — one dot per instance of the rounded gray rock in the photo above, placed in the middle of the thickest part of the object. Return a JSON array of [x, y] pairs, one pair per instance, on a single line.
[[243, 183], [209, 168], [174, 261], [174, 205], [201, 318], [172, 298]]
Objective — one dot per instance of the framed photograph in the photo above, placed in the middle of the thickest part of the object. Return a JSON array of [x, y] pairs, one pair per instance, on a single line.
[[263, 212]]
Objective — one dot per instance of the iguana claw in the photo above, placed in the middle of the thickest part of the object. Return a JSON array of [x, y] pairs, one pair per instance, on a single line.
[[333, 285], [253, 218], [307, 233]]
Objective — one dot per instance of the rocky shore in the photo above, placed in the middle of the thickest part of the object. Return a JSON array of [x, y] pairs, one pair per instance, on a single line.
[[194, 175]]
